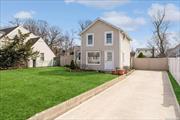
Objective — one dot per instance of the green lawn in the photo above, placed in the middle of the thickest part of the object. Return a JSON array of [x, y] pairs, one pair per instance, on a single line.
[[24, 92], [176, 87]]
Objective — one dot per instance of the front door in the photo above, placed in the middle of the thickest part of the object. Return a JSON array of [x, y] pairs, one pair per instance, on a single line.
[[109, 60], [34, 63]]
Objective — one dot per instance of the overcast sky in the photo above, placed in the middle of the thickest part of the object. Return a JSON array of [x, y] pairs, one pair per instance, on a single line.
[[134, 17]]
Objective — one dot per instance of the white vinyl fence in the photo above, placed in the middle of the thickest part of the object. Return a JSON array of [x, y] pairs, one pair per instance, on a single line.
[[174, 68]]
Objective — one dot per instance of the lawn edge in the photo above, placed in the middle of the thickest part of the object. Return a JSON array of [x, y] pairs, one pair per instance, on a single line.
[[173, 92], [63, 107]]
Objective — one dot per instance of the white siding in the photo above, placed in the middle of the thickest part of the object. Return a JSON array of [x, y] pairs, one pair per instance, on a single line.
[[125, 52], [42, 47], [174, 68]]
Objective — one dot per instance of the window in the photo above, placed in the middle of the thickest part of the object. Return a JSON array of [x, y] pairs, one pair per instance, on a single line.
[[90, 39], [108, 38], [42, 56], [93, 58], [79, 56]]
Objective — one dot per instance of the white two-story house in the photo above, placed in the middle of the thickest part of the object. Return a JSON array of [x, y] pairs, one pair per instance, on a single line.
[[104, 47]]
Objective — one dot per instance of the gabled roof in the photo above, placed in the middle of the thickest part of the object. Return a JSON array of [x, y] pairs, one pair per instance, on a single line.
[[32, 41], [115, 27], [6, 31]]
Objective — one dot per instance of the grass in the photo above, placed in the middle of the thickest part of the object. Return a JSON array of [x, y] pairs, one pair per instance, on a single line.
[[24, 92], [176, 87]]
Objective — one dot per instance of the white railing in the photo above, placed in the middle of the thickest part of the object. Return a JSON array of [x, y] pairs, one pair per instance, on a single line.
[[174, 68]]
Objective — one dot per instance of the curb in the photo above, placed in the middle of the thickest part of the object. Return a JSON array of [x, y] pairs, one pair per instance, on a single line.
[[172, 90], [61, 108]]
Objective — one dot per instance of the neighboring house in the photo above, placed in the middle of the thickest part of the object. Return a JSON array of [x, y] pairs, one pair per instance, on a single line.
[[45, 57], [174, 52], [147, 52], [104, 47]]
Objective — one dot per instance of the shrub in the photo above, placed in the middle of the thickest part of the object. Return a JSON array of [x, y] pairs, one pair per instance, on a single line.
[[17, 52], [67, 66], [72, 65], [141, 55], [117, 68], [126, 67]]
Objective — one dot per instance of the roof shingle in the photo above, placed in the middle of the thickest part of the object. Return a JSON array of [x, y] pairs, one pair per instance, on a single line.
[[6, 31]]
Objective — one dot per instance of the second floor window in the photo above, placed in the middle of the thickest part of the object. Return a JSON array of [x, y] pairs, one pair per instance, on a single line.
[[90, 39], [108, 38]]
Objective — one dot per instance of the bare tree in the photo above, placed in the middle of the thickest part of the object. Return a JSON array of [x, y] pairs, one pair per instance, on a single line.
[[16, 22], [84, 24], [43, 28], [68, 41], [55, 37], [37, 27], [161, 26], [176, 39], [31, 25]]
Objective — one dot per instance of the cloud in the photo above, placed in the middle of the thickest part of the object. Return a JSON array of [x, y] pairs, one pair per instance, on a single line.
[[172, 11], [123, 21], [138, 44], [24, 14], [99, 3]]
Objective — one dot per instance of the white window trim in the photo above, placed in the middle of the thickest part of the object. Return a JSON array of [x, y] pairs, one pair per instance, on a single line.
[[105, 41], [87, 57], [92, 39]]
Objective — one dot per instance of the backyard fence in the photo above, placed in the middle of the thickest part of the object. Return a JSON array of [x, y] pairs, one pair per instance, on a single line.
[[66, 60], [150, 63], [174, 68]]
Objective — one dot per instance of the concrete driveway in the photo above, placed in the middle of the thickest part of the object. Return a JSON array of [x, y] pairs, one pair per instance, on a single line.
[[142, 95]]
